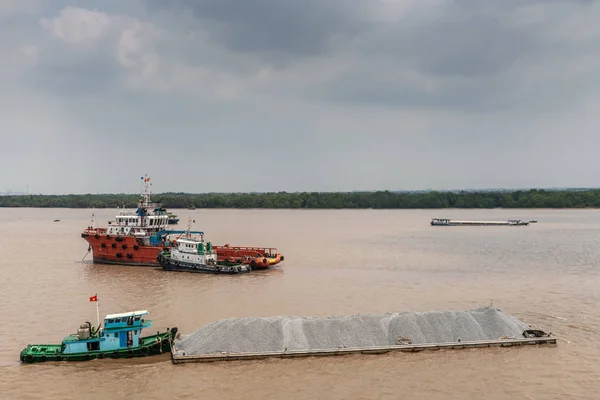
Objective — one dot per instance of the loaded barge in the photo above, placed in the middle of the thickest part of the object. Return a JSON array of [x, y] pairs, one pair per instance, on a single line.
[[291, 337], [453, 222]]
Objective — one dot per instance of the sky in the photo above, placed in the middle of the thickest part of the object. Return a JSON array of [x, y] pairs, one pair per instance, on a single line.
[[298, 95]]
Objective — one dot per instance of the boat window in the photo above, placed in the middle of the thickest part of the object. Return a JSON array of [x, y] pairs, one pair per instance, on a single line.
[[93, 346], [137, 318], [110, 321]]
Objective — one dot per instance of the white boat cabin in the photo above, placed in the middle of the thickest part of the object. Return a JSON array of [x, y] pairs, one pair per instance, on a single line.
[[193, 251], [133, 224]]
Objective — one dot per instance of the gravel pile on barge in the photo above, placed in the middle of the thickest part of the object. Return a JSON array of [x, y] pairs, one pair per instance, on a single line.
[[283, 333]]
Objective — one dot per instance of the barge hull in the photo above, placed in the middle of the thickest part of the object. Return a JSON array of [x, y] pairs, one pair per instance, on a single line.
[[180, 359]]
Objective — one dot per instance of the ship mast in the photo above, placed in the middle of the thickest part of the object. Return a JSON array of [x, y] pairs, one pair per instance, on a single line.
[[189, 227], [145, 200]]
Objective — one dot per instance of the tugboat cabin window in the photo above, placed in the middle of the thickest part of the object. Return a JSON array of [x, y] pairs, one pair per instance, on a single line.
[[91, 346], [137, 318]]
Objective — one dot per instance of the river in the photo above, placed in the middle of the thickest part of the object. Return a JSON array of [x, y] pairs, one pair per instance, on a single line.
[[337, 262]]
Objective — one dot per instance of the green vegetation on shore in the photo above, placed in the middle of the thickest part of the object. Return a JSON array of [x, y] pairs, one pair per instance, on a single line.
[[381, 199]]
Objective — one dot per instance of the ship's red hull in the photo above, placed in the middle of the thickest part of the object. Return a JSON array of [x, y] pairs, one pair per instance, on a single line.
[[123, 250]]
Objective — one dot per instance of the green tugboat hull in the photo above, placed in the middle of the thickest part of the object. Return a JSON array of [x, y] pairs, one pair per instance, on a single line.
[[149, 346]]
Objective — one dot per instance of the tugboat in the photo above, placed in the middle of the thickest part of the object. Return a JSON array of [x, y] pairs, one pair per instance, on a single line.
[[119, 338], [191, 254], [256, 257]]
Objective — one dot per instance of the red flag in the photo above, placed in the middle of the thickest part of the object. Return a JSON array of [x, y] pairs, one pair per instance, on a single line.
[[94, 298]]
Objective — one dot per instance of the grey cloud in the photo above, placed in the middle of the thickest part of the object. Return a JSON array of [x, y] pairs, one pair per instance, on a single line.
[[468, 49], [282, 28], [325, 95]]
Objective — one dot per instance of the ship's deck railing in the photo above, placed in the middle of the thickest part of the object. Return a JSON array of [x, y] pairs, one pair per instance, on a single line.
[[246, 248], [91, 231]]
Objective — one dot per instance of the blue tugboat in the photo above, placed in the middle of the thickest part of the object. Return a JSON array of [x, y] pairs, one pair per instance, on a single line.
[[119, 338]]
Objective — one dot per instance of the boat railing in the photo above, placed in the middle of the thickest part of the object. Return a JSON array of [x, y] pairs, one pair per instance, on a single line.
[[92, 231], [264, 251]]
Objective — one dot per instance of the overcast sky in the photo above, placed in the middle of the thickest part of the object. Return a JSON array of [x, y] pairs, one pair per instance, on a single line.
[[325, 95]]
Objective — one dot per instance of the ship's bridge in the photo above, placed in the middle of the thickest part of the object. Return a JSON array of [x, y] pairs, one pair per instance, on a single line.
[[193, 246], [126, 320]]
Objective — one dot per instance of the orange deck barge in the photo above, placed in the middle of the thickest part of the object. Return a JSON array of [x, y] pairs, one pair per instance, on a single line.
[[256, 257]]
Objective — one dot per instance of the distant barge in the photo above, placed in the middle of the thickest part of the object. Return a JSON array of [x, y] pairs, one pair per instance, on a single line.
[[453, 222]]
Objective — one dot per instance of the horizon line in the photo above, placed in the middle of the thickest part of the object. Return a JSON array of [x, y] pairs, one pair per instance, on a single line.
[[471, 190]]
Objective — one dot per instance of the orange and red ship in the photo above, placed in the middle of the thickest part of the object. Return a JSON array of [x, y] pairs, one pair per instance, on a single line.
[[137, 237]]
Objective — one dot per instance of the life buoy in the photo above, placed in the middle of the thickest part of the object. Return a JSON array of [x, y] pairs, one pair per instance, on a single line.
[[281, 258], [264, 260]]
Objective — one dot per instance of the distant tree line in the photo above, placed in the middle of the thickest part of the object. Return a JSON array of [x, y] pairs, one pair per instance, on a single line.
[[534, 198]]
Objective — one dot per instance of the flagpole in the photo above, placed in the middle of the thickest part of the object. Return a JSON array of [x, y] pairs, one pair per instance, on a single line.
[[97, 312]]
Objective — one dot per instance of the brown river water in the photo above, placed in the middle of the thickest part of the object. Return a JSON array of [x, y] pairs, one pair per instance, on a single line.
[[337, 263]]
